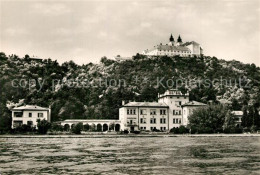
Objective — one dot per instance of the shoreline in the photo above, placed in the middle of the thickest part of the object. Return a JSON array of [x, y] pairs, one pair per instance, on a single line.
[[128, 135]]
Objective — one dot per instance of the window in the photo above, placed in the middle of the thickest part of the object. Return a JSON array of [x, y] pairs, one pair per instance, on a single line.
[[176, 112], [18, 114], [40, 114], [30, 114], [153, 120], [130, 111], [153, 128], [163, 128], [153, 112], [162, 112], [163, 120], [143, 111], [142, 120], [130, 121], [178, 103], [29, 123], [143, 128], [176, 120], [18, 123]]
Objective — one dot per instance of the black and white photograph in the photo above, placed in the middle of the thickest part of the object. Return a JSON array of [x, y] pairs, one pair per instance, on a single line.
[[130, 87]]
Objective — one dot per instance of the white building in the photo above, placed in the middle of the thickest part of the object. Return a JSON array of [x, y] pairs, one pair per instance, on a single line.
[[97, 125], [120, 58], [29, 115], [188, 108], [144, 116], [175, 48], [162, 115], [238, 117], [174, 99]]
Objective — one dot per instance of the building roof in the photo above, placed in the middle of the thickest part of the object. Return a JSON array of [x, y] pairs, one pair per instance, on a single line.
[[189, 43], [168, 48], [174, 48], [224, 101], [146, 104], [194, 103], [119, 58], [30, 107], [173, 92]]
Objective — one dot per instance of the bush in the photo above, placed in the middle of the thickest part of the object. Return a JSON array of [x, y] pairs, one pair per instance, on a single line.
[[43, 126], [183, 129], [24, 128], [246, 129], [155, 130], [77, 128], [126, 132], [56, 127], [238, 130], [179, 130], [253, 128], [175, 130]]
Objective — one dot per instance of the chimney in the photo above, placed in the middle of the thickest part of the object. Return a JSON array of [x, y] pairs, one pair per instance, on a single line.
[[123, 102]]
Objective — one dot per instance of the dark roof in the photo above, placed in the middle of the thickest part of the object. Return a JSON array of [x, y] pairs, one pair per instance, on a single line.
[[194, 103], [146, 104], [171, 38], [179, 39], [189, 43]]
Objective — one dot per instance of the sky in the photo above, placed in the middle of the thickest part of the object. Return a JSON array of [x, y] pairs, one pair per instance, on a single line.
[[84, 31]]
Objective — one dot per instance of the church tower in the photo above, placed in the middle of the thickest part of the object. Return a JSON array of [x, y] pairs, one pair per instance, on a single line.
[[171, 43], [179, 40]]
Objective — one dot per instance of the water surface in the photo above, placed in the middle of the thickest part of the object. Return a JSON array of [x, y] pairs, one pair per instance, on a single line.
[[130, 155]]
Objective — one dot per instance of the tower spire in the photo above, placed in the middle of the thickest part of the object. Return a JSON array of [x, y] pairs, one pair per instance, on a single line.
[[179, 40], [171, 38]]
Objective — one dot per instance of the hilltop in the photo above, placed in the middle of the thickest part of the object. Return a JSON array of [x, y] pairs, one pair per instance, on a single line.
[[96, 90]]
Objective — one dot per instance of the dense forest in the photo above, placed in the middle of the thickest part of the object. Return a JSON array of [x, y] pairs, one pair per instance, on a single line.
[[96, 91]]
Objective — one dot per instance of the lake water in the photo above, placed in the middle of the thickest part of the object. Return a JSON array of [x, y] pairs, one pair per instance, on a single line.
[[130, 155]]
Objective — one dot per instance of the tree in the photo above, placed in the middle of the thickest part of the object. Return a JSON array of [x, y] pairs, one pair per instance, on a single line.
[[5, 119], [209, 119], [43, 126], [77, 128], [245, 117], [229, 125], [106, 61]]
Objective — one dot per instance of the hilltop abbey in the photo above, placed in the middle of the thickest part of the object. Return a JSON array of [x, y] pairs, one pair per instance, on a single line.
[[173, 48]]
